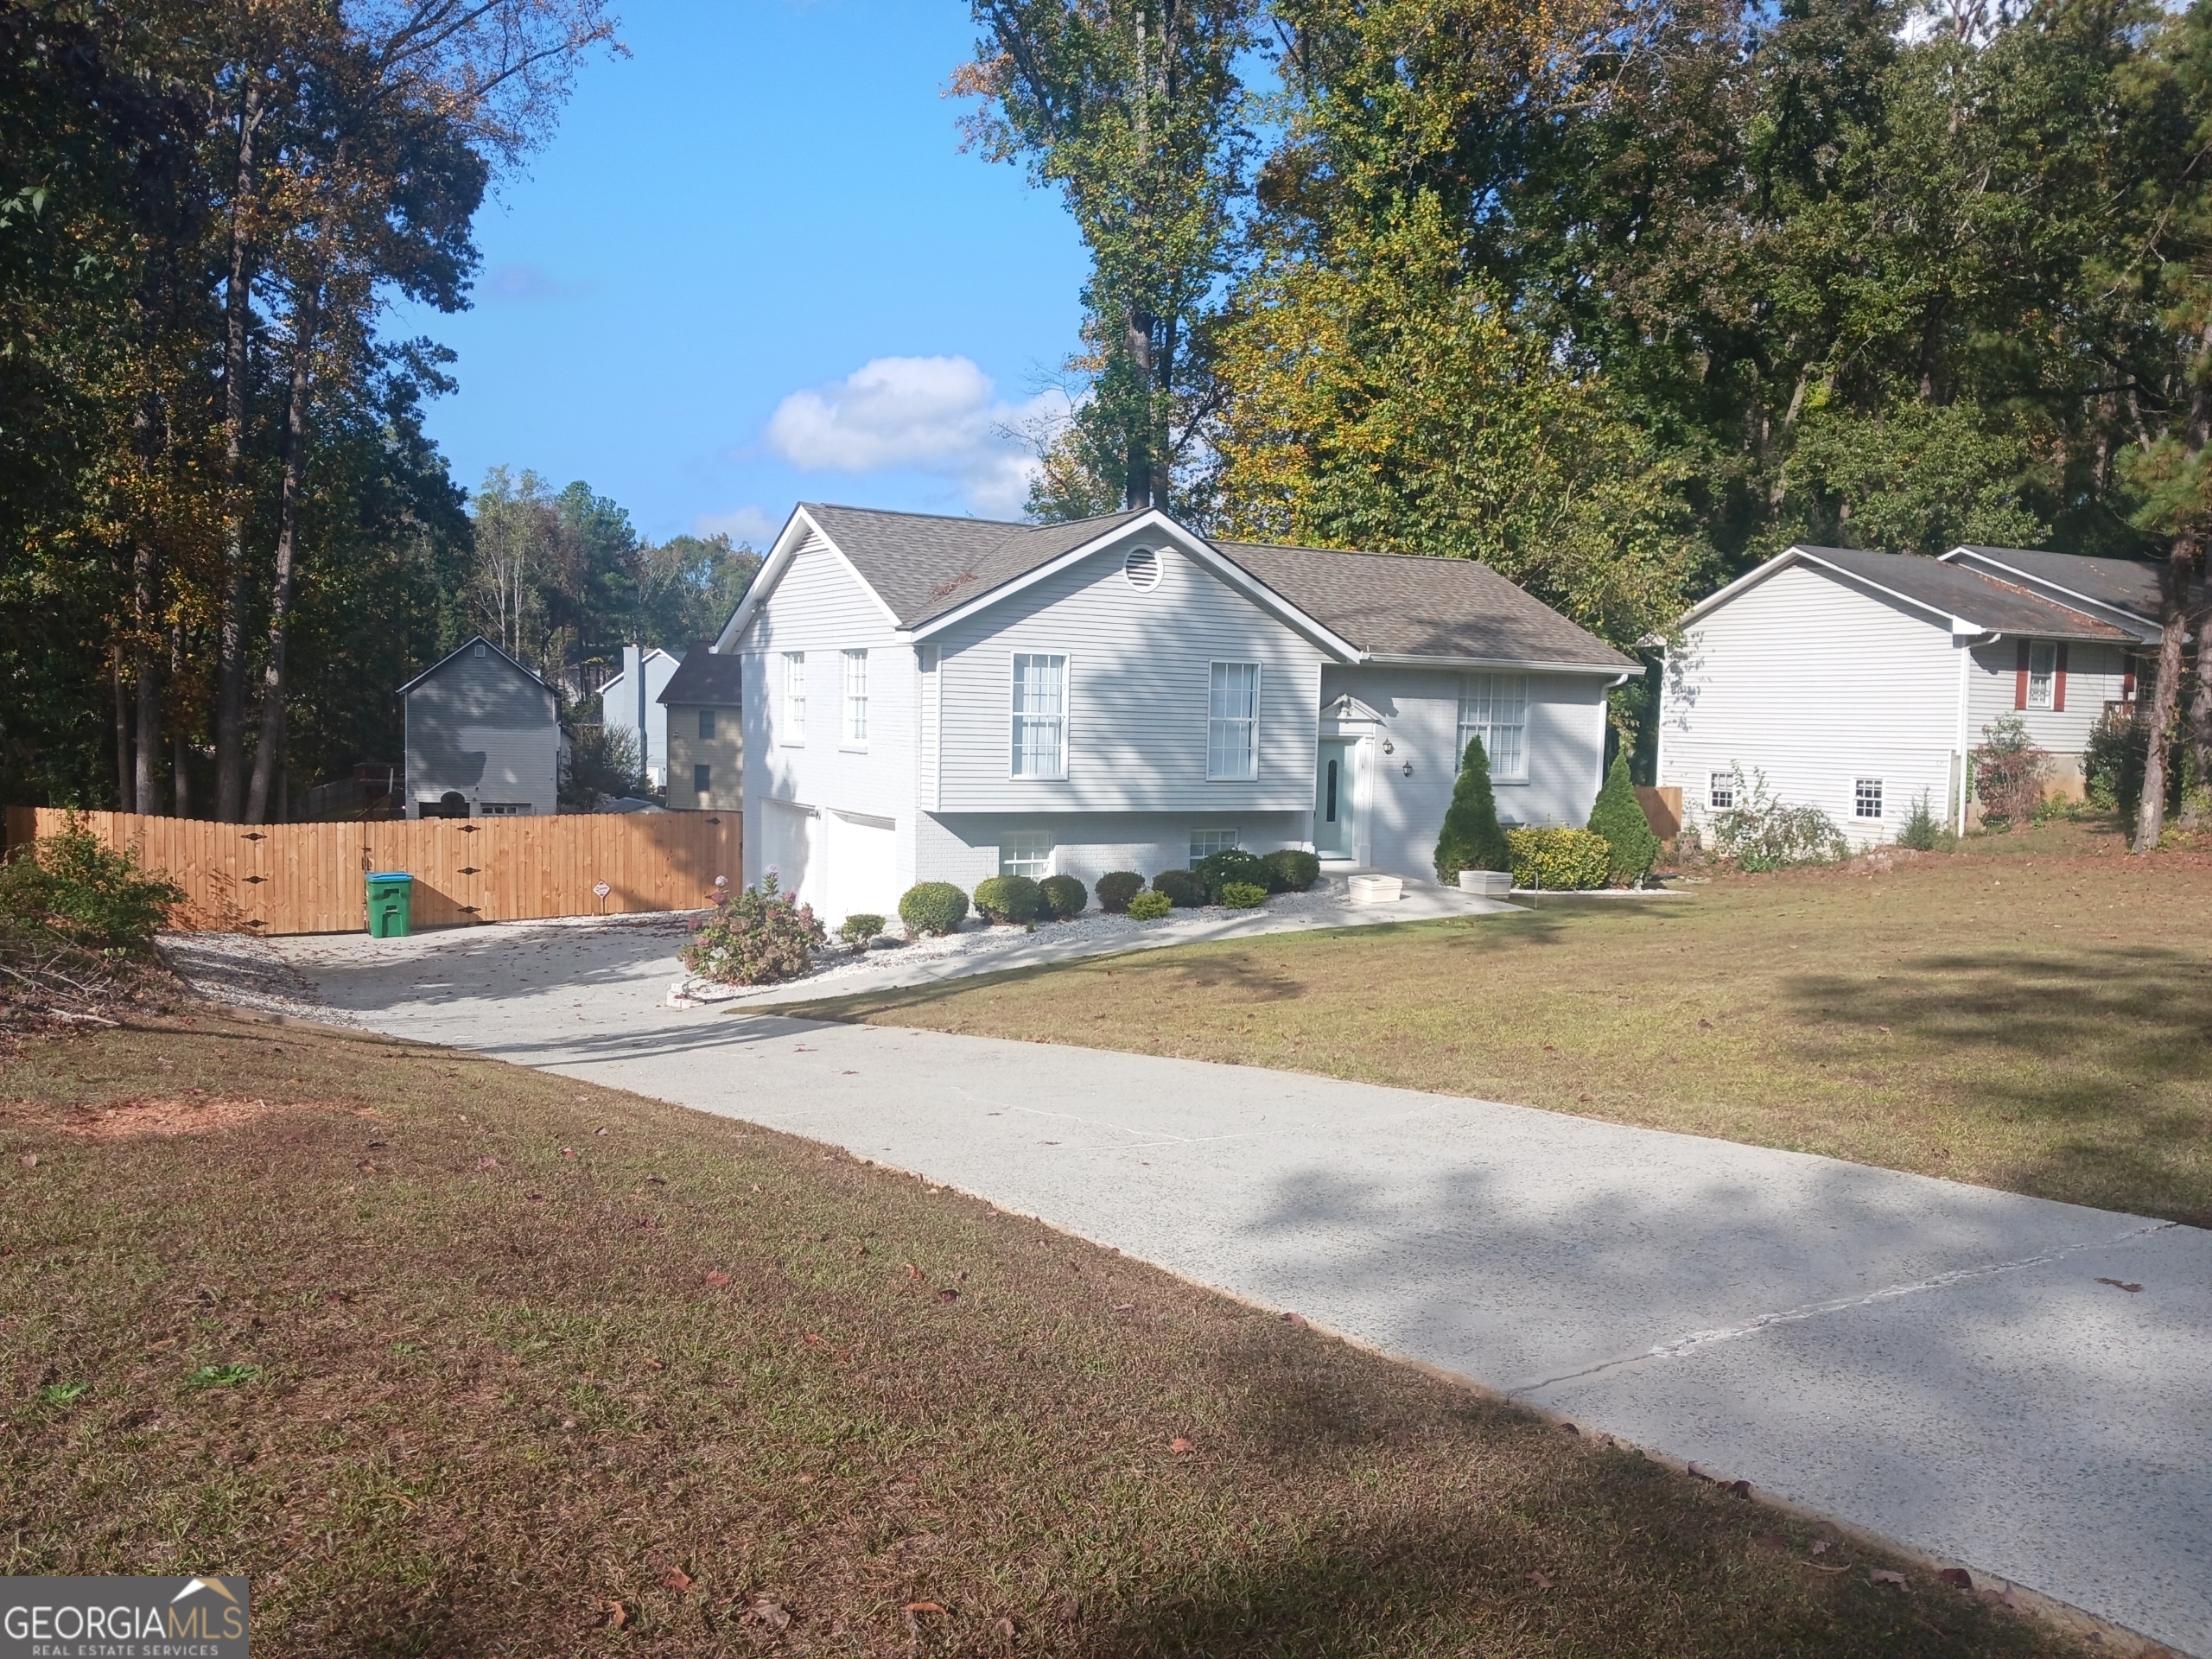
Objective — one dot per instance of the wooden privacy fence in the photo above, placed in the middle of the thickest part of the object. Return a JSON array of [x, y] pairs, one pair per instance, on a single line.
[[307, 877]]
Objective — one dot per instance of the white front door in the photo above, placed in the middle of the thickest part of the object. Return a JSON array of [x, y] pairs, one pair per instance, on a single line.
[[1335, 834]]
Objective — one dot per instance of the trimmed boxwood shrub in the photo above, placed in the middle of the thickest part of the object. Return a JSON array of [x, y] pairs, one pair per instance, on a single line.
[[1243, 895], [1183, 889], [1117, 887], [1150, 907], [1008, 898], [1618, 817], [1290, 870], [1471, 838], [1563, 861], [857, 929], [1217, 870], [933, 908], [1061, 897]]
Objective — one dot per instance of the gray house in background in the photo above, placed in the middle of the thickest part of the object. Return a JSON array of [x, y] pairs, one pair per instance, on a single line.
[[483, 738]]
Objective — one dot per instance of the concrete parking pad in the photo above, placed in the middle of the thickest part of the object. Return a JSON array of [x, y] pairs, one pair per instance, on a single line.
[[1970, 1372]]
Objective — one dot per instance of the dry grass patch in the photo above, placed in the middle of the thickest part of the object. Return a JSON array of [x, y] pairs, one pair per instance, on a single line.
[[2027, 1015], [455, 1358]]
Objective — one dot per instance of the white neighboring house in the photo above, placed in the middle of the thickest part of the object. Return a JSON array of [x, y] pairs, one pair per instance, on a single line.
[[1860, 682], [483, 738], [631, 703], [948, 699]]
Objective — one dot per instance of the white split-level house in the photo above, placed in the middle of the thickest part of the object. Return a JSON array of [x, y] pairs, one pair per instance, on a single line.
[[1860, 682], [931, 698]]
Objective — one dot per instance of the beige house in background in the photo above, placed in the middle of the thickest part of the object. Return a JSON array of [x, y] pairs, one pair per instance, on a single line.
[[706, 748]]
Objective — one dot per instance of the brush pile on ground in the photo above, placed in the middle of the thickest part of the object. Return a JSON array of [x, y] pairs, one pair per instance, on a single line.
[[77, 926]]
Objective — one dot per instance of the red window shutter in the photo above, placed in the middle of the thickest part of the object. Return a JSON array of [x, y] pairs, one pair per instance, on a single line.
[[2020, 679], [2058, 686], [2127, 677]]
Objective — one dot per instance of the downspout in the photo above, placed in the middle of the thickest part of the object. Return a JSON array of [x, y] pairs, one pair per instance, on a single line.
[[1966, 773]]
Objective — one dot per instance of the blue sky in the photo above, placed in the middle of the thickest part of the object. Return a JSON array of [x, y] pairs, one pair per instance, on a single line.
[[755, 268]]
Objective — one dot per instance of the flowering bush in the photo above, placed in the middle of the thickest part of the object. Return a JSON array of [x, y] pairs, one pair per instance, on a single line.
[[1761, 833], [754, 937]]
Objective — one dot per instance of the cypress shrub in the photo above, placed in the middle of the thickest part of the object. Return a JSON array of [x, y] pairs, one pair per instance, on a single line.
[[1061, 897], [1008, 898], [1117, 887], [1618, 817], [933, 908], [1470, 839], [1290, 870], [1243, 895]]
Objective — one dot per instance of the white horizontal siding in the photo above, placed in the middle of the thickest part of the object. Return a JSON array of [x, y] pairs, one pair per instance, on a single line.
[[822, 608], [1419, 707], [2094, 675], [1138, 688], [1817, 683]]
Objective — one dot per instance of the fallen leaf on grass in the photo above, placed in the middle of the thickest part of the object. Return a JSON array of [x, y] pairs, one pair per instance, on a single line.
[[568, 1152], [1820, 1545], [30, 1161], [913, 1272], [367, 1166], [1541, 1580], [1705, 1024], [678, 1580], [537, 1198], [488, 1163], [2118, 1284], [1883, 1575], [1958, 1576], [655, 1180], [1125, 1307], [1294, 1318], [948, 1294], [653, 1365], [617, 1615], [1180, 1445], [774, 1614], [716, 1278], [923, 1607], [1586, 1099]]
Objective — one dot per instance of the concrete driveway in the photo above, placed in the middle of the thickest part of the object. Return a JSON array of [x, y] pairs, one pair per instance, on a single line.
[[1951, 1367]]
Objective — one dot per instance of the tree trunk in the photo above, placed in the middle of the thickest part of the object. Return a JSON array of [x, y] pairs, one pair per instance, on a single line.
[[230, 647], [146, 770], [2151, 816], [126, 796], [180, 758], [265, 755], [1140, 348]]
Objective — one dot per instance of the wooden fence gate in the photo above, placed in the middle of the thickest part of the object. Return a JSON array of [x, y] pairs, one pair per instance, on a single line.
[[307, 877]]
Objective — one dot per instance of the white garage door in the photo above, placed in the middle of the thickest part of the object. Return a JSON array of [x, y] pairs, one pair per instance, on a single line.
[[863, 865], [791, 840]]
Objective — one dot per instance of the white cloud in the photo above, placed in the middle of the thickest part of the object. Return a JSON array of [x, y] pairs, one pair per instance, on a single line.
[[521, 284], [747, 523], [923, 414]]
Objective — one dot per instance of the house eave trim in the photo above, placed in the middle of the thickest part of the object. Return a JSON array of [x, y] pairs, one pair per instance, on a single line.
[[1523, 665]]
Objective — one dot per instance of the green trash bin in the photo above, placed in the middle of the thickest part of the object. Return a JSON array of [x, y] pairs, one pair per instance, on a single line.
[[391, 903]]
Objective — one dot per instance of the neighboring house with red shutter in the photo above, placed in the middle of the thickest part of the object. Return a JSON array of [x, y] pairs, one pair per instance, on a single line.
[[1860, 682]]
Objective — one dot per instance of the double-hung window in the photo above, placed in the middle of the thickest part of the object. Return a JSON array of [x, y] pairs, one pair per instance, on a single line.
[[706, 724], [794, 696], [1866, 797], [2042, 672], [854, 735], [1233, 721], [1495, 708], [1040, 714], [1721, 790]]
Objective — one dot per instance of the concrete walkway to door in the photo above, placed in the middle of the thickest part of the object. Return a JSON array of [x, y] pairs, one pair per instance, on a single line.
[[1972, 1373]]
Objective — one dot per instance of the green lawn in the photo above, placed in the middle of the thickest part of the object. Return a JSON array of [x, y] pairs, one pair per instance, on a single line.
[[455, 1358], [2028, 1014]]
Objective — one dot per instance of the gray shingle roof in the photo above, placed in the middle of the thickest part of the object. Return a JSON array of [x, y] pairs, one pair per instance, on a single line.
[[1394, 605], [921, 564], [704, 677], [1991, 605], [1404, 605], [2125, 584]]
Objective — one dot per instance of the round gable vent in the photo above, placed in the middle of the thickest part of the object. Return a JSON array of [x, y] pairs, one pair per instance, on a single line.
[[1141, 569]]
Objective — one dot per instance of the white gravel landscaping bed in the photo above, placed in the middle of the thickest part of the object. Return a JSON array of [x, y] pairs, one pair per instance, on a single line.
[[245, 972], [1094, 931]]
